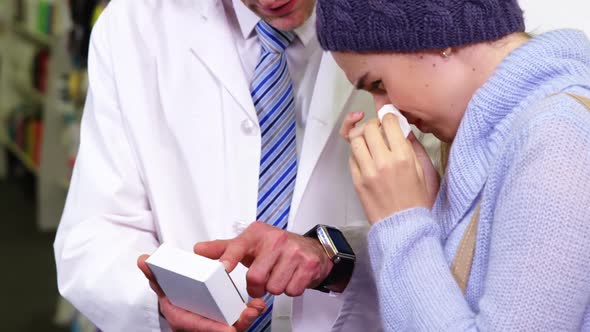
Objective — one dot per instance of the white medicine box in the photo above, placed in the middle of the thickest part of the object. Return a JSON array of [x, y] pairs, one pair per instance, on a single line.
[[196, 284]]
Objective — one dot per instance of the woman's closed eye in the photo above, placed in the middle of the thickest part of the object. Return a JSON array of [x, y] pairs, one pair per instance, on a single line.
[[377, 87], [374, 87]]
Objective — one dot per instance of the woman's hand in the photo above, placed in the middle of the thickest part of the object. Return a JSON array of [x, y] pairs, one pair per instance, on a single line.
[[388, 170], [431, 175]]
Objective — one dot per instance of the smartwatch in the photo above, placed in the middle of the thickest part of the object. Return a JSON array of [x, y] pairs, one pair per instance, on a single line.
[[340, 253]]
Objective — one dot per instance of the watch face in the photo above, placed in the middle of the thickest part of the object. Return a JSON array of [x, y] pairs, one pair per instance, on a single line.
[[339, 241]]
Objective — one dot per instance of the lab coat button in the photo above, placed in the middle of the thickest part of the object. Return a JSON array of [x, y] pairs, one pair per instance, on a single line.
[[248, 127]]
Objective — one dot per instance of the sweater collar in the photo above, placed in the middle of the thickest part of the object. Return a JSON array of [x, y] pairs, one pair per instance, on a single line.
[[542, 66]]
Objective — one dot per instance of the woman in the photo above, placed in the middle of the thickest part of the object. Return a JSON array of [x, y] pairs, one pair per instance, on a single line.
[[518, 175]]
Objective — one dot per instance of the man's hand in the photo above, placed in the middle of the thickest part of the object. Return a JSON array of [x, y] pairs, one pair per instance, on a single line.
[[182, 320], [278, 261]]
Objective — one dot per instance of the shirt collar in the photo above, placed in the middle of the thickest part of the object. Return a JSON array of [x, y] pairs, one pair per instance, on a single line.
[[247, 20]]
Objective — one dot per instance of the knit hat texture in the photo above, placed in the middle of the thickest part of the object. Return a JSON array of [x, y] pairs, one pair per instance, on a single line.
[[413, 25]]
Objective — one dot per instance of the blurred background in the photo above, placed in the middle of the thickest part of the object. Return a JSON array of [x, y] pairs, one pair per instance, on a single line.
[[43, 83]]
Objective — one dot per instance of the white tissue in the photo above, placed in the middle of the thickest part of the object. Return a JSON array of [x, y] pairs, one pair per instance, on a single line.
[[403, 122]]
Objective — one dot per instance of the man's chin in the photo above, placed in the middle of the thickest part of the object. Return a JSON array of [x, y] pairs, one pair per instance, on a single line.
[[289, 21], [286, 23]]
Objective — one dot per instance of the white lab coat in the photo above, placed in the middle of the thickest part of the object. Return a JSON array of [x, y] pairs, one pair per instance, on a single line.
[[170, 153]]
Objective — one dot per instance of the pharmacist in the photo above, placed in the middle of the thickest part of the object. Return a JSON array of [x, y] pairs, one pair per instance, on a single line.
[[201, 118]]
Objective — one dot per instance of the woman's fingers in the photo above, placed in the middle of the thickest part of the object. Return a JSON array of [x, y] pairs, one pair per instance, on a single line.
[[376, 142], [361, 154], [393, 132], [388, 170], [430, 175], [355, 172], [349, 122], [415, 144]]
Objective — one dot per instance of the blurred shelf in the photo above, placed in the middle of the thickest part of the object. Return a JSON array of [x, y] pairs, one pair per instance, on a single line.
[[65, 184], [20, 155], [30, 92], [35, 37]]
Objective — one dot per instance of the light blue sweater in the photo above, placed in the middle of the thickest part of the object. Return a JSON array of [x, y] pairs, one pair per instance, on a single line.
[[526, 155]]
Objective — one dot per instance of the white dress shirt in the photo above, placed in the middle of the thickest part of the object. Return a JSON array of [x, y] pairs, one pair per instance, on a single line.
[[303, 56]]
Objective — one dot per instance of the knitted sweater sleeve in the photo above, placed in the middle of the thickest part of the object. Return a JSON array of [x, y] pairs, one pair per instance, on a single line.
[[539, 258]]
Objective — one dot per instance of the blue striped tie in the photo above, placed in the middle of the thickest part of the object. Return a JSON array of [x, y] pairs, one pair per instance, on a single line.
[[272, 93]]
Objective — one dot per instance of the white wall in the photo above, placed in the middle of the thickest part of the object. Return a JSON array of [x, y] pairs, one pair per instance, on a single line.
[[543, 15]]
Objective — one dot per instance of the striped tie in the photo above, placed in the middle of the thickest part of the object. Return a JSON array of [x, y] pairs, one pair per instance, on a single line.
[[272, 93]]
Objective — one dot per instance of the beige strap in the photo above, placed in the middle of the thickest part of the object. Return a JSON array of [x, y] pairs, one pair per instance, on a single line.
[[461, 267], [583, 100]]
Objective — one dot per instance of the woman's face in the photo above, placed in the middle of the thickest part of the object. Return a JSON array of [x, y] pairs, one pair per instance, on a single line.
[[430, 90]]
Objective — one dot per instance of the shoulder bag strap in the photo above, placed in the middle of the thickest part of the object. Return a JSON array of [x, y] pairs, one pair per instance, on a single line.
[[461, 267], [583, 100]]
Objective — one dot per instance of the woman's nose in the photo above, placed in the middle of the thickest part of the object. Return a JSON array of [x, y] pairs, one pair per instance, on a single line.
[[380, 100]]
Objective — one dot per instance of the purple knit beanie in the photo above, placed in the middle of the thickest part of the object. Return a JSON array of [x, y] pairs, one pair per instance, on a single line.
[[413, 25]]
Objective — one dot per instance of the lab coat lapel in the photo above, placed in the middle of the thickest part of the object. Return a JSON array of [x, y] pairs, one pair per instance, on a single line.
[[213, 43], [332, 91]]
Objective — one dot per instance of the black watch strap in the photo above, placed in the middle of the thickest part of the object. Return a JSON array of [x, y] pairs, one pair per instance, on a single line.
[[340, 274], [341, 271]]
